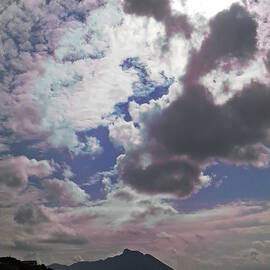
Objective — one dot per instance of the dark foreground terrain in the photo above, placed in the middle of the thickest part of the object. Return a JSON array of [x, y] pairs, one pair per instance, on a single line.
[[9, 263], [128, 260]]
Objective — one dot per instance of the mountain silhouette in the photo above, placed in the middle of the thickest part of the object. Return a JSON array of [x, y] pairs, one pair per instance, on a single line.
[[128, 260], [9, 263]]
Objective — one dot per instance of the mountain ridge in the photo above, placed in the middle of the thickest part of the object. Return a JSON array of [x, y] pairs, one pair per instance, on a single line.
[[129, 259]]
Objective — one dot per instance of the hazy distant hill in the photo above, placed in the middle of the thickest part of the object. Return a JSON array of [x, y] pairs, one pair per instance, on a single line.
[[128, 260], [9, 263]]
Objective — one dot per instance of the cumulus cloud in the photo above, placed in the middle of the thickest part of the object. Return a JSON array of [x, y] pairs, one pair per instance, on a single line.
[[192, 131], [161, 11], [64, 191], [164, 176], [233, 34], [14, 171], [30, 35], [31, 215], [212, 130]]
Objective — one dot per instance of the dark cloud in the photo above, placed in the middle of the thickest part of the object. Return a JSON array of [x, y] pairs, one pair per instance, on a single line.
[[11, 177], [24, 245], [194, 126], [63, 238], [193, 130], [178, 176], [178, 24], [160, 10], [30, 215], [267, 61], [232, 34]]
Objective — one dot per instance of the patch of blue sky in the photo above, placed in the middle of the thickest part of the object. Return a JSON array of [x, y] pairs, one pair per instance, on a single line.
[[82, 166], [145, 89], [97, 189], [145, 86], [230, 183]]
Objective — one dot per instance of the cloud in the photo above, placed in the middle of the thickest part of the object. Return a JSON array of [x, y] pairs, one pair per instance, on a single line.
[[64, 191], [31, 215], [233, 130], [30, 36], [177, 176], [64, 238], [233, 34], [192, 130], [157, 9], [14, 171], [124, 195], [161, 11], [124, 134]]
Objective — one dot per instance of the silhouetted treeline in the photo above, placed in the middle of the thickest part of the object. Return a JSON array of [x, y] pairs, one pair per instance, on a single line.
[[9, 263]]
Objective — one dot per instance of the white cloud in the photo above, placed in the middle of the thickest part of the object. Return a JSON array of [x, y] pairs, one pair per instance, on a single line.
[[16, 170], [224, 85], [207, 9], [64, 191], [124, 133]]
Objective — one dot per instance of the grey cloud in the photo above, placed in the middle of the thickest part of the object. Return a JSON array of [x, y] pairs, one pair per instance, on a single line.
[[30, 215], [163, 176], [11, 177], [123, 195], [64, 191], [14, 171], [21, 35], [193, 130], [267, 61], [160, 10], [151, 211], [233, 33], [24, 245], [63, 238], [195, 126]]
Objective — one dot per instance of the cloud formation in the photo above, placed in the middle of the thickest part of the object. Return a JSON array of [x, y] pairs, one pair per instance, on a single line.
[[192, 131], [31, 215], [177, 176], [64, 238], [233, 34], [194, 126], [14, 171], [161, 11], [64, 191]]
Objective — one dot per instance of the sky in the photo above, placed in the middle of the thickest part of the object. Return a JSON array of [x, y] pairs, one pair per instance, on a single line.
[[136, 124]]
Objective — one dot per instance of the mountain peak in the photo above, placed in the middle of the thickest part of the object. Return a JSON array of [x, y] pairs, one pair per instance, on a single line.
[[129, 259], [126, 251], [131, 252]]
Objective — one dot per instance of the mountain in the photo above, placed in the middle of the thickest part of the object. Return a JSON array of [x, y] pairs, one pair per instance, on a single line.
[[128, 260], [9, 263]]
